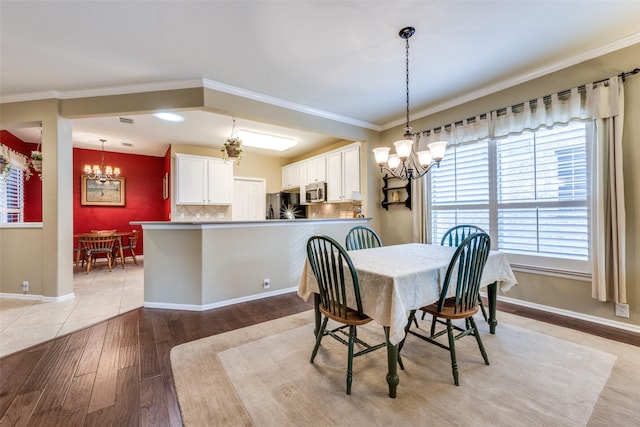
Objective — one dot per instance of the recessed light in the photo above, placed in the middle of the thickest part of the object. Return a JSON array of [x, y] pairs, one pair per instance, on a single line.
[[266, 141], [169, 117]]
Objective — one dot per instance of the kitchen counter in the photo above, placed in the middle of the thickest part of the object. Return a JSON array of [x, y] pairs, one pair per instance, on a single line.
[[202, 265], [172, 224]]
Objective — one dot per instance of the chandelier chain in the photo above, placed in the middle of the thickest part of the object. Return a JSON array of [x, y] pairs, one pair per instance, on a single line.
[[407, 80]]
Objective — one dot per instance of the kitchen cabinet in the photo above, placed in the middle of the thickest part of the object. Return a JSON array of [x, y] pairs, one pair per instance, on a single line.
[[343, 173], [316, 170], [203, 180], [291, 176]]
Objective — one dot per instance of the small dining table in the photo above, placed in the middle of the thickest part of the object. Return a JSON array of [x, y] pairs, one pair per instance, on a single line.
[[118, 235], [397, 279]]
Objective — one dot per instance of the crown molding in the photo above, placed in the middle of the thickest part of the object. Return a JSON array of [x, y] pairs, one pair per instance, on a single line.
[[523, 78]]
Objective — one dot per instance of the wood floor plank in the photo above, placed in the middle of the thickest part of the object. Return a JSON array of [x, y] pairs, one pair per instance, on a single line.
[[153, 403], [14, 371], [77, 400], [104, 388], [59, 381], [92, 350], [21, 409], [126, 410], [149, 366], [45, 367]]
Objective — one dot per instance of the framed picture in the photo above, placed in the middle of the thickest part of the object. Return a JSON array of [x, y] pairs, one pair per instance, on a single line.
[[96, 193], [165, 186]]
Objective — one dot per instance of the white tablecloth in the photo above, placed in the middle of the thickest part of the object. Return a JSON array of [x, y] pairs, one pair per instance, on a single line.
[[396, 279]]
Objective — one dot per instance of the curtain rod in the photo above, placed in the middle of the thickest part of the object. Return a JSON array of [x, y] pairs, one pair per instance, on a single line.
[[503, 110]]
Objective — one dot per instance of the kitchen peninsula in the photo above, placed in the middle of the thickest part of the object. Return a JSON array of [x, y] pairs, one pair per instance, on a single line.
[[202, 265]]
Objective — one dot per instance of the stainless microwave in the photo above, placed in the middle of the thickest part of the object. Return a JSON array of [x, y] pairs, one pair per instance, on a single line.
[[315, 192]]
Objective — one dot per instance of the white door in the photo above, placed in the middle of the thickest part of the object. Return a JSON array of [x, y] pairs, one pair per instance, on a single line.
[[249, 199]]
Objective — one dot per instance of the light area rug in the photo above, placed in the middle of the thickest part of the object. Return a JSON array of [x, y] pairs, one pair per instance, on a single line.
[[261, 376]]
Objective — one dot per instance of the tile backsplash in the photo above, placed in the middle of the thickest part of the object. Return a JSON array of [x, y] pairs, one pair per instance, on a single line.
[[330, 210], [194, 213]]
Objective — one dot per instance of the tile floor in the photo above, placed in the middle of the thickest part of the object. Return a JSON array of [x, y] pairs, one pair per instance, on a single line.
[[99, 295]]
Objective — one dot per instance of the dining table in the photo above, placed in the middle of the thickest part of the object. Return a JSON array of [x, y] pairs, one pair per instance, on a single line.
[[118, 235], [397, 279]]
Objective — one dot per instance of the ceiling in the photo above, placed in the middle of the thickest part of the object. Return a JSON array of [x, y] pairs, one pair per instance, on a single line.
[[339, 59]]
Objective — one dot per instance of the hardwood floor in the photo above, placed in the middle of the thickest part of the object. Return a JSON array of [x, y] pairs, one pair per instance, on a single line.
[[118, 372]]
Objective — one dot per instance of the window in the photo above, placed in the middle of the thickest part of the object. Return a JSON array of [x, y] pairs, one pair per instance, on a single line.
[[529, 192], [12, 196]]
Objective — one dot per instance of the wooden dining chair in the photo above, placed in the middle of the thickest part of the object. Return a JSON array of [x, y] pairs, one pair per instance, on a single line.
[[130, 246], [104, 232], [96, 245], [362, 237], [464, 274], [337, 278], [453, 237]]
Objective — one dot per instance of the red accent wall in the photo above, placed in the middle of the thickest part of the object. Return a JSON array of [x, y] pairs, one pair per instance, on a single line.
[[33, 187], [143, 193], [143, 190]]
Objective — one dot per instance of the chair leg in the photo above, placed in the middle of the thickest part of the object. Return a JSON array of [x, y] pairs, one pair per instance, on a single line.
[[433, 325], [319, 338], [352, 336], [477, 335], [452, 351], [484, 312], [135, 261]]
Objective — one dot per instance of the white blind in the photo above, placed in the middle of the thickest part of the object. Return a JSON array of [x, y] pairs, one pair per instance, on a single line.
[[542, 192], [528, 191], [460, 189], [12, 196]]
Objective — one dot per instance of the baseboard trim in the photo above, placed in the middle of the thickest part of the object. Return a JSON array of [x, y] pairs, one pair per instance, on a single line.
[[195, 307], [572, 314], [40, 298]]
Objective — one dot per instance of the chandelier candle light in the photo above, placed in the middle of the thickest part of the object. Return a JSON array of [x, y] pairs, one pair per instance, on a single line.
[[406, 163], [102, 173]]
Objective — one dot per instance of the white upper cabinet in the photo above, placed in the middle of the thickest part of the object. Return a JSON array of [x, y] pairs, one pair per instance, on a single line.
[[291, 176], [220, 182], [316, 170], [343, 173], [203, 180], [340, 169]]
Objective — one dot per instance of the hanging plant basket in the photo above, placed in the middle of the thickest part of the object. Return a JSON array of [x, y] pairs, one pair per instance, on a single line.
[[37, 165], [232, 149]]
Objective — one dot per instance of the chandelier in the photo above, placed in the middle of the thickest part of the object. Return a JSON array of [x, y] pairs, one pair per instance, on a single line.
[[102, 173], [407, 163]]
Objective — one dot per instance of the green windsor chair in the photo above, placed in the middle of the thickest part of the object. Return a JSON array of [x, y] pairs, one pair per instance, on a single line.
[[464, 273], [362, 237], [453, 237], [337, 278]]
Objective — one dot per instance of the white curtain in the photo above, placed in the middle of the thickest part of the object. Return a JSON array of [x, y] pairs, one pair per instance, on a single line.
[[16, 159], [607, 203]]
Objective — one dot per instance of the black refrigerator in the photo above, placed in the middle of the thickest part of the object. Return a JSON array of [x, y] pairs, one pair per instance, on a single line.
[[284, 205]]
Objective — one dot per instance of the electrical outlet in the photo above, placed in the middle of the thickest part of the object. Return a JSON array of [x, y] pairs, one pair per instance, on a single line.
[[622, 310], [266, 284], [25, 286]]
